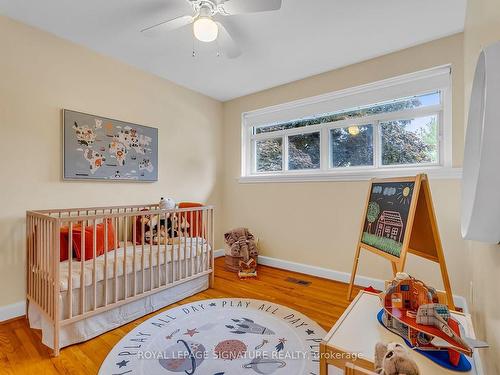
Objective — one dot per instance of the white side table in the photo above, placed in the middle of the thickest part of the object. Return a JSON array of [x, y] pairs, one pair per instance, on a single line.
[[358, 330]]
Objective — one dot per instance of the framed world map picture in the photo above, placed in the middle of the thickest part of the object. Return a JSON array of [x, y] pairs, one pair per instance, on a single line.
[[99, 148]]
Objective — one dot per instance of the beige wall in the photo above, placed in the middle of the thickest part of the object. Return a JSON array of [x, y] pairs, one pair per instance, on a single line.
[[482, 27], [39, 75], [317, 223]]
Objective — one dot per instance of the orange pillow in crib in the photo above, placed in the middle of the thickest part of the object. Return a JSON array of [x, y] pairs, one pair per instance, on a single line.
[[63, 241], [194, 219], [89, 238]]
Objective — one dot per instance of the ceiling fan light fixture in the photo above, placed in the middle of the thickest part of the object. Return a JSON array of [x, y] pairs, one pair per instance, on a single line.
[[205, 29], [353, 130]]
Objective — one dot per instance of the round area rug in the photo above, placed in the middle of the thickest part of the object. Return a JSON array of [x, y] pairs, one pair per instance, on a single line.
[[220, 336]]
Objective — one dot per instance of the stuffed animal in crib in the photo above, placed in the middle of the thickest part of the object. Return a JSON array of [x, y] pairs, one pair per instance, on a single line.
[[169, 228], [179, 229], [394, 359], [166, 204]]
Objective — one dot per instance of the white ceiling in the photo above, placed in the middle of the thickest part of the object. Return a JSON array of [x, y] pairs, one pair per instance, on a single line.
[[304, 38]]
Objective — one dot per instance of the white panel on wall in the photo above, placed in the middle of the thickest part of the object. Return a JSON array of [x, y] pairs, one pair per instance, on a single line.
[[481, 170]]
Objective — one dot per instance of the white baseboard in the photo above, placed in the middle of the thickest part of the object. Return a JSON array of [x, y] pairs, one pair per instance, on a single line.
[[13, 310], [331, 274], [325, 273], [18, 309]]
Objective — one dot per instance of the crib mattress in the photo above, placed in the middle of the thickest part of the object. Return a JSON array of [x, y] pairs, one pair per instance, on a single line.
[[193, 249]]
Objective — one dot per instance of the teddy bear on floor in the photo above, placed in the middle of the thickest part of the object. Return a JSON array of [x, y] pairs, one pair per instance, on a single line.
[[394, 359]]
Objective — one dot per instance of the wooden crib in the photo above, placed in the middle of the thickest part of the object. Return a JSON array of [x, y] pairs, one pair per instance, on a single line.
[[67, 288]]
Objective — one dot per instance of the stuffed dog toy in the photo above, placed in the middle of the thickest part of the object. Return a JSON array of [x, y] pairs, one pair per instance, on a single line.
[[394, 359]]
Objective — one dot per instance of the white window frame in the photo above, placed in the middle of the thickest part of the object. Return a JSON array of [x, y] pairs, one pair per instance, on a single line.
[[419, 83]]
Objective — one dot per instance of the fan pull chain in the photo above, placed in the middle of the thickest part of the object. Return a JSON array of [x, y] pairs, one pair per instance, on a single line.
[[218, 47]]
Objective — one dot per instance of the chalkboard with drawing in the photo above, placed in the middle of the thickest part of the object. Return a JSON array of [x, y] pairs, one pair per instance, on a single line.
[[387, 215], [398, 219]]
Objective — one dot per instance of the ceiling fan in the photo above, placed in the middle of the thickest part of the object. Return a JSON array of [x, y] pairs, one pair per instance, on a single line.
[[206, 29]]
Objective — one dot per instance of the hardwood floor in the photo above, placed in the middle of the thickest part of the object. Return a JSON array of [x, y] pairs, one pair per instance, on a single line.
[[21, 351]]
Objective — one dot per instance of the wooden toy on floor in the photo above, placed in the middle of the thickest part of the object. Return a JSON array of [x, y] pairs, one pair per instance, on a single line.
[[247, 269], [239, 245]]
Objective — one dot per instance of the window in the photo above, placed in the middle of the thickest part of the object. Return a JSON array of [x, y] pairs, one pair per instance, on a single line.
[[303, 151], [399, 123], [269, 155], [351, 146]]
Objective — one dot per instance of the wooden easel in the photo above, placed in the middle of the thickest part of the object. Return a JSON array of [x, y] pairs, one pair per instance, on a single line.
[[421, 236]]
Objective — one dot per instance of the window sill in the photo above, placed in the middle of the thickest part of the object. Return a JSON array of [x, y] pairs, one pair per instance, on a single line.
[[432, 172]]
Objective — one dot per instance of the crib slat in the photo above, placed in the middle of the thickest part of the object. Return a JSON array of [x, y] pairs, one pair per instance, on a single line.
[[48, 257], [151, 237], [38, 286], [201, 241], [209, 239], [46, 247], [180, 257], [28, 258], [207, 243], [143, 235], [55, 298], [42, 252], [134, 239], [82, 270], [115, 263], [196, 235], [166, 248], [158, 234], [42, 257], [201, 266], [125, 256], [171, 250], [32, 247], [46, 260], [179, 270], [40, 262], [32, 258], [185, 262], [94, 278], [47, 265], [191, 241], [105, 280], [70, 270], [212, 248]]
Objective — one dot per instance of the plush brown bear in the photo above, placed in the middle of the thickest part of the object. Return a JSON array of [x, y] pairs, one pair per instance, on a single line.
[[394, 359]]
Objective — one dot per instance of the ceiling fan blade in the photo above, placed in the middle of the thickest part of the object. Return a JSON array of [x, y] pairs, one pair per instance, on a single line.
[[169, 25], [227, 43], [230, 7]]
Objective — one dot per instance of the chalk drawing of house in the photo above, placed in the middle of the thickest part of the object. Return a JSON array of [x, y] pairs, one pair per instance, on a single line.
[[390, 225]]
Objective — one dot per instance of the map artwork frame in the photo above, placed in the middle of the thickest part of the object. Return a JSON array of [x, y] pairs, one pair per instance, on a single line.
[[104, 149]]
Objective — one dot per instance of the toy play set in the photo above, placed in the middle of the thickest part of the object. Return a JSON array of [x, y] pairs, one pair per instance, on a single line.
[[412, 310]]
